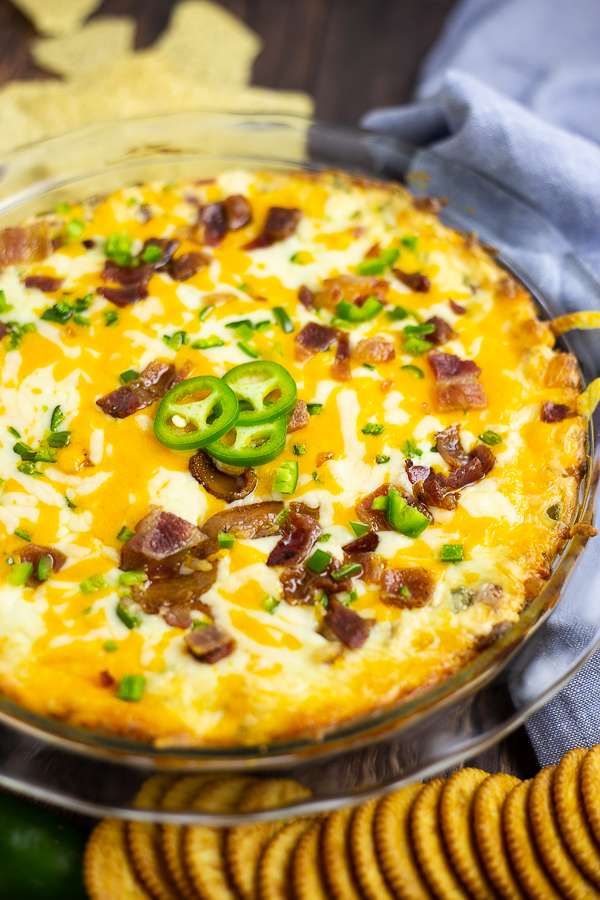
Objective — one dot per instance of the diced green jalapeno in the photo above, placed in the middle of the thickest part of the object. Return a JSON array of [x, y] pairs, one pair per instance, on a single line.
[[269, 604], [205, 312], [283, 320], [125, 534], [127, 376], [404, 518], [491, 438], [131, 688], [127, 617], [92, 584], [347, 571], [452, 553], [397, 313], [226, 539], [299, 449], [352, 313], [416, 346], [209, 417], [44, 569], [208, 343], [409, 241], [418, 330], [359, 528], [381, 459], [110, 646], [132, 577], [58, 439], [264, 390], [318, 562], [111, 317], [286, 477], [248, 350], [19, 573], [380, 503], [314, 409], [24, 535], [152, 254]]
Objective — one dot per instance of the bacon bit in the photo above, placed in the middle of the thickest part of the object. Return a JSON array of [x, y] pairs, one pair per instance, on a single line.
[[386, 386], [300, 417], [237, 212], [457, 308], [373, 252], [507, 287], [373, 351], [89, 244], [323, 458], [254, 520], [340, 369], [213, 224], [366, 543], [299, 536], [414, 280], [443, 331], [314, 338], [433, 205], [152, 384], [353, 288], [4, 329], [373, 566], [583, 529], [177, 617], [555, 412], [280, 223], [126, 275], [347, 625], [450, 448], [33, 553], [106, 679], [187, 265], [302, 587], [225, 486], [26, 244], [43, 283], [123, 296], [457, 385], [416, 473], [441, 491], [210, 644], [306, 297], [419, 583], [157, 536]]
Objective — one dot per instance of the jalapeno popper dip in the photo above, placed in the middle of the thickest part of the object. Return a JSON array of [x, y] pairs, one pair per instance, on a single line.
[[277, 450]]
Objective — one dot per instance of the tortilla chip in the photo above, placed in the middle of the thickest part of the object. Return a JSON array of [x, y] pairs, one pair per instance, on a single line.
[[206, 43], [571, 815], [100, 43], [54, 17]]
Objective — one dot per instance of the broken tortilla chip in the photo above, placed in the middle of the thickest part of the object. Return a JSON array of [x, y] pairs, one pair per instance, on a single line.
[[99, 43], [54, 17]]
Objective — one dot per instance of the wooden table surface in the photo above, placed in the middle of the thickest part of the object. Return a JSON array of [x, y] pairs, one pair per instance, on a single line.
[[351, 55]]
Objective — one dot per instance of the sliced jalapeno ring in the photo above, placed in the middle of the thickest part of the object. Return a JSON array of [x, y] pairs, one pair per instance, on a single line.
[[252, 445], [254, 383], [186, 426]]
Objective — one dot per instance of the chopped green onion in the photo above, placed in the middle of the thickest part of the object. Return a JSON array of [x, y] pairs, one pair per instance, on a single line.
[[70, 503], [315, 477], [131, 688], [243, 287], [451, 553], [376, 265], [398, 313], [28, 468], [347, 571], [57, 418], [265, 325], [152, 254], [352, 595], [314, 409], [239, 323], [359, 528], [410, 449], [205, 312], [208, 343], [225, 539], [352, 313], [20, 532], [118, 248], [111, 317], [74, 228], [175, 341], [81, 320], [405, 591], [197, 623], [283, 517], [324, 538], [283, 319], [413, 370], [417, 346], [128, 618], [410, 241], [60, 313], [318, 562], [109, 646], [491, 438], [286, 477], [92, 584], [44, 568], [24, 451], [125, 534], [419, 329], [249, 351], [128, 375], [380, 503], [269, 604], [4, 306], [245, 332], [299, 449], [45, 454], [132, 577], [373, 428], [368, 366], [19, 573], [58, 439], [83, 303], [14, 431], [62, 209], [404, 518]]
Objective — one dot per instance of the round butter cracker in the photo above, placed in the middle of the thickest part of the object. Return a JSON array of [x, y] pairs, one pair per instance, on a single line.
[[144, 842], [394, 845], [521, 845], [337, 862], [590, 788], [107, 869], [364, 856], [307, 873], [274, 869], [489, 835], [572, 818], [429, 847]]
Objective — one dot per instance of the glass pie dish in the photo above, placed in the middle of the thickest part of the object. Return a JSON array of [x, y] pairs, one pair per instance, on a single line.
[[99, 774]]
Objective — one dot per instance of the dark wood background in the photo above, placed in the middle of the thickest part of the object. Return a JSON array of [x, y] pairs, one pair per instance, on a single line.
[[351, 55]]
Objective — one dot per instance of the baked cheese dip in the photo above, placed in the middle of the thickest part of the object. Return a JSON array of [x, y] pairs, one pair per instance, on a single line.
[[278, 450]]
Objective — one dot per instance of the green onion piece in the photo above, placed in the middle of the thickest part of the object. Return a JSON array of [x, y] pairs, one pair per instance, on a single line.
[[70, 503], [283, 319], [175, 341], [118, 248], [419, 329], [314, 409], [81, 320], [109, 646], [347, 571], [239, 323], [14, 431], [243, 287], [410, 449], [245, 332], [225, 539], [405, 591], [125, 534], [19, 573], [92, 584], [299, 449], [265, 325], [208, 343], [60, 313], [491, 438], [196, 624], [352, 595], [381, 459], [359, 528], [28, 468], [413, 370], [283, 517], [451, 553], [410, 241], [269, 604], [249, 351], [318, 562], [62, 209], [128, 375], [44, 569], [390, 256], [131, 688], [368, 366], [83, 303], [372, 266], [59, 439], [205, 312], [4, 306], [324, 538], [128, 618], [24, 451], [45, 454], [74, 228], [398, 313], [132, 577], [20, 532], [352, 313], [373, 428], [315, 477], [416, 346], [286, 477], [380, 503], [111, 317], [404, 518], [152, 254]]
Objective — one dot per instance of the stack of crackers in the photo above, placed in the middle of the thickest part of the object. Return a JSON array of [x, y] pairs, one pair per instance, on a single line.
[[471, 836], [203, 61]]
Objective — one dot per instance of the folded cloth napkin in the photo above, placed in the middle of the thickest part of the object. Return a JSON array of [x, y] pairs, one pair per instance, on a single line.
[[532, 190]]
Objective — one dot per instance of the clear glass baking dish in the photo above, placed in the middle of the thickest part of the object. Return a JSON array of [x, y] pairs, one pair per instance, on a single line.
[[99, 774]]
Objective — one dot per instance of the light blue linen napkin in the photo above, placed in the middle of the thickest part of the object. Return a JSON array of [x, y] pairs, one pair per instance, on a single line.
[[532, 190]]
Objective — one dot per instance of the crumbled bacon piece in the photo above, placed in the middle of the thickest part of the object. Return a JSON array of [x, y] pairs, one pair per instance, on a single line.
[[314, 338], [300, 533], [457, 308], [237, 212], [213, 224], [555, 412], [33, 553], [280, 223], [450, 448], [416, 473], [366, 543], [414, 280], [106, 679], [125, 296], [386, 386], [126, 275], [43, 283], [340, 369], [441, 490], [418, 587], [187, 265], [25, 244], [443, 331], [306, 297], [373, 566], [153, 383], [457, 385], [5, 329], [158, 536], [347, 624], [210, 644], [300, 417], [373, 351], [302, 586], [353, 288], [433, 205]]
